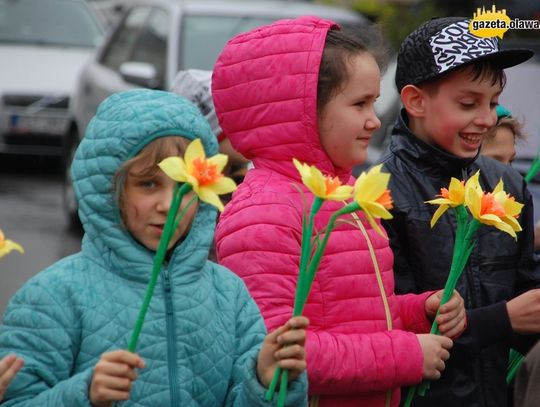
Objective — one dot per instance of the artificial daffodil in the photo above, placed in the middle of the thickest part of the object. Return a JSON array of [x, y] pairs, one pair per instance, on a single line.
[[322, 186], [487, 210], [453, 196], [7, 245], [372, 195], [203, 174], [512, 209]]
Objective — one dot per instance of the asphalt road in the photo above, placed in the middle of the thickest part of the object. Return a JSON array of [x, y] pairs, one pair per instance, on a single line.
[[31, 214]]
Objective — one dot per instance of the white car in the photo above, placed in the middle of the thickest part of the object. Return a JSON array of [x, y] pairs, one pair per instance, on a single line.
[[43, 46], [156, 38]]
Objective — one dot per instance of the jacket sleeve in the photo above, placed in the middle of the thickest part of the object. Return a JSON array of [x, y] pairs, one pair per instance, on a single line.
[[246, 390], [39, 328], [528, 276], [413, 312], [265, 254]]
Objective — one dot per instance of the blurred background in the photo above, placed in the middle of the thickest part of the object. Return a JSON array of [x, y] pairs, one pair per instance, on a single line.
[[60, 58]]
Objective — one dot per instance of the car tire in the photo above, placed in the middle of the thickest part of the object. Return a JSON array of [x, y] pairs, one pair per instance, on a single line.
[[69, 201]]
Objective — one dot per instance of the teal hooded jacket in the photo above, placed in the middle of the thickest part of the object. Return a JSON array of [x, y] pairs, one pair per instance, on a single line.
[[203, 331]]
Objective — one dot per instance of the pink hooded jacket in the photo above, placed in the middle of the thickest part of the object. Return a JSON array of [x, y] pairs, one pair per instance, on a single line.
[[265, 93]]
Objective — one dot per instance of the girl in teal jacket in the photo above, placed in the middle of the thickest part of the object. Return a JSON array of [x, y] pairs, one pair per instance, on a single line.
[[201, 339]]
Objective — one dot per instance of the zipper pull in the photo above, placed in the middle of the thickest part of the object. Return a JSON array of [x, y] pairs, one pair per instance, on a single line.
[[167, 280]]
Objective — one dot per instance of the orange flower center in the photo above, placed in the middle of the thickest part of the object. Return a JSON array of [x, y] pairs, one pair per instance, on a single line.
[[205, 172], [2, 239], [386, 199], [331, 184], [490, 206], [444, 193]]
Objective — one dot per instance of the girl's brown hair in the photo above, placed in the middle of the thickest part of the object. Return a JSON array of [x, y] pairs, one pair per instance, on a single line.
[[150, 155], [339, 48]]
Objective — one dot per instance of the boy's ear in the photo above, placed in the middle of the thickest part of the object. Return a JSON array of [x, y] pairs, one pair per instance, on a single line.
[[413, 99]]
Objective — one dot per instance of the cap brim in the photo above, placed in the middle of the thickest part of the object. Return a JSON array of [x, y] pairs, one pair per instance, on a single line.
[[507, 58]]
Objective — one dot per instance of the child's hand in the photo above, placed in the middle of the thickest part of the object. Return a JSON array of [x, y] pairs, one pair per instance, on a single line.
[[273, 351], [9, 366], [452, 318], [113, 376], [435, 351]]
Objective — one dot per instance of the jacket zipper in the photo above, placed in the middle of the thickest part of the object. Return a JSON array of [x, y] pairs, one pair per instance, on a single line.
[[171, 343]]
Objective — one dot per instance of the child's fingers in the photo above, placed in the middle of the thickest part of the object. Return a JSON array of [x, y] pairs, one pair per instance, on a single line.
[[118, 370], [299, 322], [290, 337], [294, 323], [455, 326], [293, 365], [455, 302], [290, 352], [10, 365], [6, 363], [123, 356]]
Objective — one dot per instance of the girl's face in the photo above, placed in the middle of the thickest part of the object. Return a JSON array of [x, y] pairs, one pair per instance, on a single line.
[[501, 146], [348, 120], [145, 202], [457, 116]]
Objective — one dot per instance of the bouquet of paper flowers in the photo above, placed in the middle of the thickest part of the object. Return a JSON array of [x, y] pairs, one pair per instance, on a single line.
[[370, 195], [472, 207]]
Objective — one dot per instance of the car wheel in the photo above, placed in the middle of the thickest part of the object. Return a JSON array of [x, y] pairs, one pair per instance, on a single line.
[[69, 200]]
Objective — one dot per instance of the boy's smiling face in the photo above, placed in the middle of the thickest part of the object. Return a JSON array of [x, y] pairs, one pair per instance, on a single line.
[[458, 113]]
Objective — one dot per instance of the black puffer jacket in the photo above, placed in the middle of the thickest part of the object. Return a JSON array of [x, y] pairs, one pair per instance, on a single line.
[[499, 267]]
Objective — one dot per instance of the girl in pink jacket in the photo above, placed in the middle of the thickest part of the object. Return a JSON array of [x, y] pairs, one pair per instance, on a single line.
[[304, 89]]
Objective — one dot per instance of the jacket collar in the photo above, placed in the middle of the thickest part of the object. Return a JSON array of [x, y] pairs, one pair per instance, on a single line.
[[408, 147]]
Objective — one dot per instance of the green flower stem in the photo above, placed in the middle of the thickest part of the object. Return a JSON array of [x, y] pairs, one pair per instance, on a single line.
[[463, 246], [465, 249], [515, 361], [168, 230], [314, 264], [301, 287], [534, 168]]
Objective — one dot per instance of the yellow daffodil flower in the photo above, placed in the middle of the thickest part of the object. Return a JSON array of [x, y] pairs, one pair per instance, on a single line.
[[7, 245], [321, 186], [203, 174], [487, 210], [372, 195], [512, 209], [453, 196]]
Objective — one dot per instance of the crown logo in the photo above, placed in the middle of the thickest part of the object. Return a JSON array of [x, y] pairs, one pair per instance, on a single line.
[[490, 23]]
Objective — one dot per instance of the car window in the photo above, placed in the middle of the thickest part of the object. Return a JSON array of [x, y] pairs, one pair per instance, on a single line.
[[51, 22], [151, 45], [203, 37], [121, 45], [142, 37]]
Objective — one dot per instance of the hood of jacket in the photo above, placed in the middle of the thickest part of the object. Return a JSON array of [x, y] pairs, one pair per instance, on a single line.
[[124, 123], [264, 87]]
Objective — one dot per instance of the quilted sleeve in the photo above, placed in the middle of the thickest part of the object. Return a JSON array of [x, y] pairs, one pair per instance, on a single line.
[[42, 330], [246, 390], [262, 247], [413, 312]]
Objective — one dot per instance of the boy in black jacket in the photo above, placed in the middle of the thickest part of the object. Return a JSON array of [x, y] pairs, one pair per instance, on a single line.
[[450, 82]]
